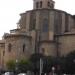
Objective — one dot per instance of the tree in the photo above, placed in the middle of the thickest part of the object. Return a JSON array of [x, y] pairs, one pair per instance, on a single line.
[[35, 62], [23, 65], [70, 62], [11, 65], [47, 64]]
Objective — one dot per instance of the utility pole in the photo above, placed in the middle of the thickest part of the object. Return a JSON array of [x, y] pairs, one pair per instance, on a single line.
[[37, 49], [41, 65]]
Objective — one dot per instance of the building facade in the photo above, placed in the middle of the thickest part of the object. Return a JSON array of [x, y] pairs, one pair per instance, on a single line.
[[44, 30]]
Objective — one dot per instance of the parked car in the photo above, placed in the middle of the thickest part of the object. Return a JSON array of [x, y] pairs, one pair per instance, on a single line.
[[22, 74], [8, 73]]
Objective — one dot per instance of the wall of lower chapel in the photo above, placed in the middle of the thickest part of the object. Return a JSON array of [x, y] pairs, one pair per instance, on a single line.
[[48, 49], [2, 52], [34, 38], [66, 44], [17, 48]]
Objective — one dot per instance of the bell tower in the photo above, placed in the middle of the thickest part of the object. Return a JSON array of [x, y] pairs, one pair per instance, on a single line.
[[40, 4]]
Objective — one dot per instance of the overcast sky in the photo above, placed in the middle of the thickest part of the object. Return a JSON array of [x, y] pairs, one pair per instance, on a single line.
[[10, 10]]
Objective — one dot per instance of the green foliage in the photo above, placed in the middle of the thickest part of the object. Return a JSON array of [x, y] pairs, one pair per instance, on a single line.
[[62, 64], [11, 65], [23, 65], [47, 64], [35, 57], [35, 62], [70, 62]]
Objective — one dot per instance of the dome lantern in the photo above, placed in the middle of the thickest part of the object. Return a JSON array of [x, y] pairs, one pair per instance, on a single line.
[[40, 4]]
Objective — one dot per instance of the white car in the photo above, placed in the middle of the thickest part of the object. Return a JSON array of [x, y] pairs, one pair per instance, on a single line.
[[8, 73], [22, 74]]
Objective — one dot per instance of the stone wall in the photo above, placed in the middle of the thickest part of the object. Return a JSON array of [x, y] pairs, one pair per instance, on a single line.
[[17, 51], [48, 48], [2, 53], [66, 44]]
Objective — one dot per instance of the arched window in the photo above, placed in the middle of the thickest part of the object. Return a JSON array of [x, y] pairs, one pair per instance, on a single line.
[[40, 4], [9, 47], [37, 4], [45, 27], [34, 24], [48, 4], [24, 47]]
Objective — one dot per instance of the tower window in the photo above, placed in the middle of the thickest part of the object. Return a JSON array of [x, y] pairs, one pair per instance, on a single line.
[[37, 4], [52, 5], [40, 4], [34, 23], [24, 47], [9, 47], [48, 4]]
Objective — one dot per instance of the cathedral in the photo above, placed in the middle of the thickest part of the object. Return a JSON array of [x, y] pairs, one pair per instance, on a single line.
[[42, 30]]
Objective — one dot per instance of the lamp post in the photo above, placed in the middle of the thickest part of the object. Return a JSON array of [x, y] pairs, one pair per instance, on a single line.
[[74, 60], [41, 65], [74, 64], [16, 68], [37, 48], [53, 70]]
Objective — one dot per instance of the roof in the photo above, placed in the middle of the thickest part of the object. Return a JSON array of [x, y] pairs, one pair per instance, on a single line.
[[17, 35]]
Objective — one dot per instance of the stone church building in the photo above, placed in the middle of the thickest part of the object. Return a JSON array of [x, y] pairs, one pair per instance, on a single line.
[[44, 30]]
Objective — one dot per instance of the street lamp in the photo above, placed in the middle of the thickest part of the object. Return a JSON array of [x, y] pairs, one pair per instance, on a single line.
[[41, 65], [53, 70], [74, 60], [16, 68]]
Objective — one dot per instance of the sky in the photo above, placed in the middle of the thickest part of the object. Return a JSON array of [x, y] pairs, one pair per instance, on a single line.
[[10, 10]]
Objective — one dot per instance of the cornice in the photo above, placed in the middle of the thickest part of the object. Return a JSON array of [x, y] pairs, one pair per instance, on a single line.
[[66, 34], [17, 35], [35, 10]]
